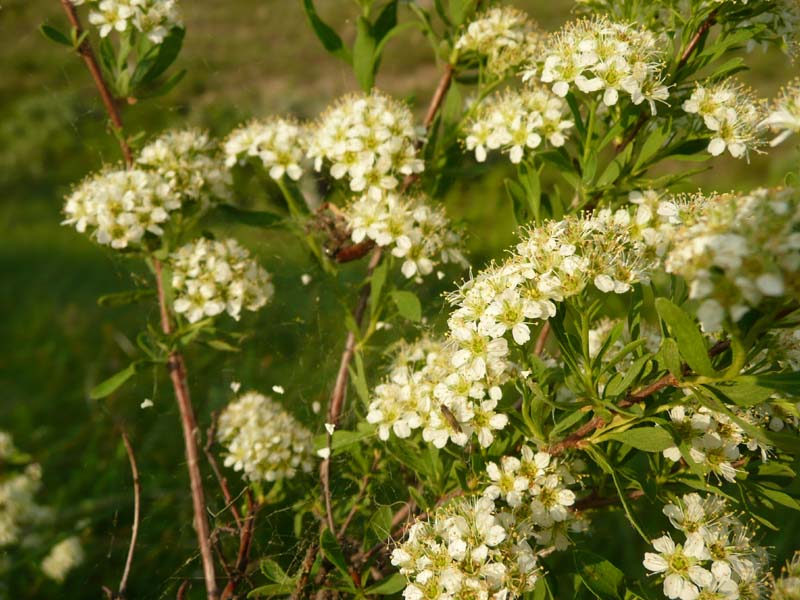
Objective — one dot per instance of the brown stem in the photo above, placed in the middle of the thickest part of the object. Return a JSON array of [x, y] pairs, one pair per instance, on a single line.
[[245, 542], [221, 479], [182, 590], [362, 490], [340, 387], [438, 95], [177, 373], [137, 494], [542, 339], [86, 52]]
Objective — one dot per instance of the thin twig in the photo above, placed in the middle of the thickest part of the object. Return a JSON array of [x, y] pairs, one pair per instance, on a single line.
[[542, 339], [230, 502], [182, 590], [137, 495], [245, 543], [86, 52], [177, 373]]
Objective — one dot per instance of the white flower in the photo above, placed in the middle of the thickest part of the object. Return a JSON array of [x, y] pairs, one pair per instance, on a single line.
[[730, 111], [262, 440], [154, 18], [682, 575], [63, 557], [277, 144], [369, 140], [211, 277]]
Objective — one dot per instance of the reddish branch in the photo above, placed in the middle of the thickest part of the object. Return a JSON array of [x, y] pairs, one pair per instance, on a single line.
[[86, 52], [177, 373], [340, 387]]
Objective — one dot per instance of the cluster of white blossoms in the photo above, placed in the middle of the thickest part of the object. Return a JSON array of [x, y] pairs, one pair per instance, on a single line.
[[419, 234], [738, 252], [599, 55], [18, 488], [466, 549], [262, 440], [63, 558], [153, 18], [733, 115], [502, 36], [784, 113], [516, 121], [712, 438], [369, 140], [536, 489], [279, 145], [787, 586], [211, 277], [423, 392], [188, 163], [118, 208], [717, 557]]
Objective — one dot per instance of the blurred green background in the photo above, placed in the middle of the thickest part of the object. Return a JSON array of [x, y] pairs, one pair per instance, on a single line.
[[244, 58]]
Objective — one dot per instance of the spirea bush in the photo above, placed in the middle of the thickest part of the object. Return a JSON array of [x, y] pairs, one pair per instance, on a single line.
[[609, 408]]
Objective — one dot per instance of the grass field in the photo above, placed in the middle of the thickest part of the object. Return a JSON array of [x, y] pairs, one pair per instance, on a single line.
[[244, 58]]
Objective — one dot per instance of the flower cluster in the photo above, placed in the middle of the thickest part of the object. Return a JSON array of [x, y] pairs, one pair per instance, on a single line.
[[369, 140], [153, 18], [118, 208], [63, 557], [784, 113], [516, 121], [503, 36], [787, 586], [732, 113], [18, 508], [279, 144], [739, 251], [187, 162], [423, 392], [717, 557], [420, 234], [713, 439], [263, 440], [535, 488], [601, 55], [466, 550], [211, 277]]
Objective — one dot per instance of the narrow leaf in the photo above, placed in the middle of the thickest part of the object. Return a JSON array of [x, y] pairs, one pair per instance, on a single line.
[[691, 344], [408, 305]]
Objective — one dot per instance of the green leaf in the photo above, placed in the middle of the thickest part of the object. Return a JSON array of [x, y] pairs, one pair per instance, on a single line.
[[669, 357], [744, 393], [387, 586], [125, 298], [652, 145], [691, 344], [253, 218], [612, 171], [386, 21], [647, 439], [168, 52], [408, 305], [376, 287], [54, 35], [326, 34], [778, 496], [460, 10], [529, 179], [787, 383], [222, 346], [519, 201], [380, 522], [274, 572], [273, 589], [166, 87], [364, 55], [103, 389], [330, 547], [600, 577]]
